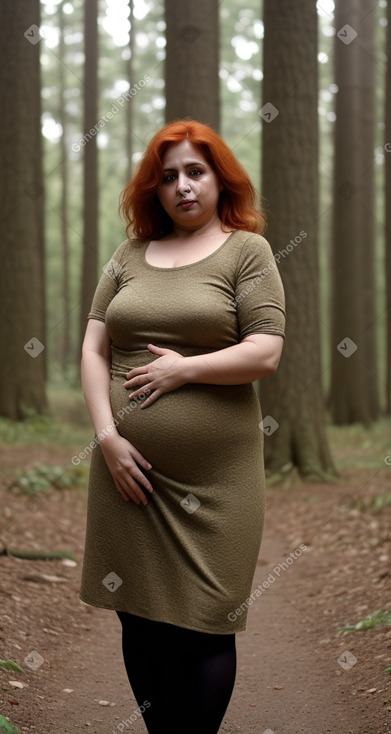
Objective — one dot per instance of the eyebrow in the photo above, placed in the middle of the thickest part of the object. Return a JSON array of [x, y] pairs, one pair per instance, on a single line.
[[187, 165]]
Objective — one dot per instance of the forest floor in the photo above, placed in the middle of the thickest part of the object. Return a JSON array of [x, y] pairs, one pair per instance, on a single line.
[[296, 674]]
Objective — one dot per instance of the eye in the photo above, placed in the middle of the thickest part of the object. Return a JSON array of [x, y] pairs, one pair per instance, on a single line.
[[169, 178], [196, 172]]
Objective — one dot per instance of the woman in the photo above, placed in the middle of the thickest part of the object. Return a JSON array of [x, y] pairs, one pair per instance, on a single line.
[[188, 314]]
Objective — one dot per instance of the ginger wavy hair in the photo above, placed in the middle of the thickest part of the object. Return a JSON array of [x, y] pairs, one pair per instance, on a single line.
[[140, 206]]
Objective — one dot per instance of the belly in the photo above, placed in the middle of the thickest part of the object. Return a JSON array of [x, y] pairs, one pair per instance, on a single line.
[[195, 423]]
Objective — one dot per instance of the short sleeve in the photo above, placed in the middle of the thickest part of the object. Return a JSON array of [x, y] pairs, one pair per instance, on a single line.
[[108, 285], [259, 294]]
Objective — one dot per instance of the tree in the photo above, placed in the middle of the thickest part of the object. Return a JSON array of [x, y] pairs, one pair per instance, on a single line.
[[387, 203], [65, 342], [366, 202], [22, 288], [353, 335], [293, 396], [129, 106], [192, 61], [90, 178]]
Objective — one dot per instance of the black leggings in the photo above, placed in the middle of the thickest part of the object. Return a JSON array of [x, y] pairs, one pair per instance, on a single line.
[[182, 679]]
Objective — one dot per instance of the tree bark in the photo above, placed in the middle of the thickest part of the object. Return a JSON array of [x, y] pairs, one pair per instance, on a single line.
[[129, 104], [22, 283], [65, 343], [366, 198], [192, 61], [387, 203], [90, 183], [353, 334], [293, 396]]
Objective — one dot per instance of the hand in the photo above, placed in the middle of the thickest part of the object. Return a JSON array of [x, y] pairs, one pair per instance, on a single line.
[[122, 459], [158, 377]]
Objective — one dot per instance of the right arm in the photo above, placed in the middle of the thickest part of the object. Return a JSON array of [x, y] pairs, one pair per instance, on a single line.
[[121, 457]]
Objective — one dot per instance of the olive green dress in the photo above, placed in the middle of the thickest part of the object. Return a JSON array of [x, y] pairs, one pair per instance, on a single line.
[[189, 556]]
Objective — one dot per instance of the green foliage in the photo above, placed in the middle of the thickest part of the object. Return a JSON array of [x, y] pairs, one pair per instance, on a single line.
[[357, 447], [43, 478], [380, 502], [67, 425], [388, 670], [11, 665], [34, 425], [377, 619], [38, 555], [6, 727]]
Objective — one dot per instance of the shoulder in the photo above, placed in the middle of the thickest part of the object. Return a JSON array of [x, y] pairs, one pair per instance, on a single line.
[[121, 260], [126, 248], [125, 252], [251, 241], [253, 248]]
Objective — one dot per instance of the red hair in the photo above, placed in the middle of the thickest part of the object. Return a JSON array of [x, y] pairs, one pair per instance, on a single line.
[[141, 207]]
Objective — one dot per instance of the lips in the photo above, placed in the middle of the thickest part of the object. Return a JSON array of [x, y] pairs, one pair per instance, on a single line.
[[187, 203]]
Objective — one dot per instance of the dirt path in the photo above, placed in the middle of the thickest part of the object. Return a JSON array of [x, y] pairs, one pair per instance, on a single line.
[[289, 680], [284, 685]]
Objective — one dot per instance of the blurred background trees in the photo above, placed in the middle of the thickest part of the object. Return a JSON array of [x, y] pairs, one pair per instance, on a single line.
[[23, 324], [103, 76]]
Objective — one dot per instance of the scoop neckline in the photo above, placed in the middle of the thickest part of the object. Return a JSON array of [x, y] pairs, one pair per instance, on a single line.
[[189, 265]]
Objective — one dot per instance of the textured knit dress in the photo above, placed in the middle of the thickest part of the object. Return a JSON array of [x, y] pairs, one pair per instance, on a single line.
[[187, 557]]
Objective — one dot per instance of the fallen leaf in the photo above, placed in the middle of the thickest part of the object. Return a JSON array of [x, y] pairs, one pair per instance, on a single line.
[[68, 562], [44, 578]]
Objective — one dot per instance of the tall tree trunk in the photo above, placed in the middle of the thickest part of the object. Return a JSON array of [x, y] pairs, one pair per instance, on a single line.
[[22, 283], [65, 345], [293, 396], [353, 368], [129, 104], [192, 61], [366, 197], [387, 203], [90, 184]]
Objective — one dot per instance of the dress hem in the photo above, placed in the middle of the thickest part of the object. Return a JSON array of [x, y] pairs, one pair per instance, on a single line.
[[165, 621]]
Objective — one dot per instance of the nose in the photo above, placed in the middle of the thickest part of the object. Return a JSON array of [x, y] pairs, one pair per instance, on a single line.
[[183, 183]]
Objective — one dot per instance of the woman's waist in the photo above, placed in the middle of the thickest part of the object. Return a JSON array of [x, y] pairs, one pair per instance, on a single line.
[[123, 360]]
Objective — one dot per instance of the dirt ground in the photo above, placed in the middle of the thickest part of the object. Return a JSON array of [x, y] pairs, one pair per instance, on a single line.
[[295, 674]]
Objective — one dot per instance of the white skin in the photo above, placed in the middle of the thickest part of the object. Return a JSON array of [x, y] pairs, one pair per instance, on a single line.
[[197, 232]]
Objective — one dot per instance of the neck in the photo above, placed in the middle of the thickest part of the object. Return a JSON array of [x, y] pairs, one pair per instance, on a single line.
[[213, 227]]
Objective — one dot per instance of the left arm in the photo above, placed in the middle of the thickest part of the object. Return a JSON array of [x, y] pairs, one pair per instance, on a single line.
[[256, 356]]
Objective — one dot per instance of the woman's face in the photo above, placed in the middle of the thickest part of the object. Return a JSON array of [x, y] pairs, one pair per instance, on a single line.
[[190, 190]]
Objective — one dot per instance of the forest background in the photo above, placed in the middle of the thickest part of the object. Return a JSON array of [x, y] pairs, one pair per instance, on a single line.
[[301, 92], [298, 90]]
